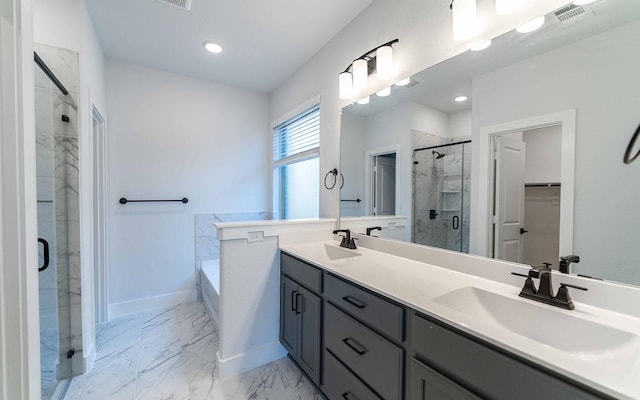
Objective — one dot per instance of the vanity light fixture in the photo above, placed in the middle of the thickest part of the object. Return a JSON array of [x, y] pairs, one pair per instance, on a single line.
[[460, 99], [531, 25], [403, 82], [384, 92], [364, 100], [356, 76], [504, 7], [212, 47], [481, 46], [465, 19]]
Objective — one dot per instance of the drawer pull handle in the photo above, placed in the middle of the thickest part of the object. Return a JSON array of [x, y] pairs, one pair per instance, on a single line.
[[298, 311], [355, 346], [354, 302], [294, 306], [349, 396]]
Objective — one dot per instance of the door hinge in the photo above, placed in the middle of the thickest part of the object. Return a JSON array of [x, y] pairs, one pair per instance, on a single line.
[[70, 353]]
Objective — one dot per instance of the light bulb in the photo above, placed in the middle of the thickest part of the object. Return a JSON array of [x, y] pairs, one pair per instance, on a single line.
[[346, 85], [403, 82], [465, 20], [212, 47], [384, 92], [504, 7], [460, 99], [364, 100], [481, 46], [360, 74], [384, 62]]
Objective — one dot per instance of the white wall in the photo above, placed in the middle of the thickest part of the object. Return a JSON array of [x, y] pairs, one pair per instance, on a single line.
[[544, 153], [170, 137], [593, 77], [429, 120], [425, 34], [67, 24], [460, 124], [352, 165]]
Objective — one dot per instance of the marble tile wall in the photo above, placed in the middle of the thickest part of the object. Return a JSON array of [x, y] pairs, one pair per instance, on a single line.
[[58, 208], [442, 185]]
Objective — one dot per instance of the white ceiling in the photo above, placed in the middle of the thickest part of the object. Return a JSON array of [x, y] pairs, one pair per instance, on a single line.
[[264, 42]]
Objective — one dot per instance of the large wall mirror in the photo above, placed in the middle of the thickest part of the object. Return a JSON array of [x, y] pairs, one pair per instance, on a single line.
[[529, 167]]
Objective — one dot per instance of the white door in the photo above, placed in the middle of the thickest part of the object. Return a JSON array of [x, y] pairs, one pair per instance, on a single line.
[[384, 178], [508, 211]]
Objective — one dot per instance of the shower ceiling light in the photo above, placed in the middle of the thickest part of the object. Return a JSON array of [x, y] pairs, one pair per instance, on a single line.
[[356, 76], [460, 99], [212, 47], [531, 25]]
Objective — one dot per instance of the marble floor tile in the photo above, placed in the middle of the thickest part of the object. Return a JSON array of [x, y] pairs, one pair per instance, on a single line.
[[170, 353]]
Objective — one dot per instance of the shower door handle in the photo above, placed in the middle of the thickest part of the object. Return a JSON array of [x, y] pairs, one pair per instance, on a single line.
[[455, 222], [45, 254]]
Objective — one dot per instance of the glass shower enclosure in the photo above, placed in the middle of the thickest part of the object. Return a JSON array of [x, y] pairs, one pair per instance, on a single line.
[[441, 183]]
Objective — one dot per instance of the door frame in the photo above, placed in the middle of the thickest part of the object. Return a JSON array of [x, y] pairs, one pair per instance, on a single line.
[[368, 175], [100, 215], [481, 239]]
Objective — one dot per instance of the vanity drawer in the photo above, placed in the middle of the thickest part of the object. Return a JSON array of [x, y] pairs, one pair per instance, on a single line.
[[341, 384], [386, 317], [301, 272], [377, 361], [485, 370]]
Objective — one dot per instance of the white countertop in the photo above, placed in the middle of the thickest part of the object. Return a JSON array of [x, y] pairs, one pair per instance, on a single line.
[[614, 370]]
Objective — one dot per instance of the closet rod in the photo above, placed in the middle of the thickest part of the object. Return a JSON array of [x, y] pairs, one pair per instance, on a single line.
[[356, 200], [541, 185], [124, 200]]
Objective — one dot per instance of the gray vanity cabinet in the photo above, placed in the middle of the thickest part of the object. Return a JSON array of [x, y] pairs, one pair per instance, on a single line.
[[427, 384], [301, 315]]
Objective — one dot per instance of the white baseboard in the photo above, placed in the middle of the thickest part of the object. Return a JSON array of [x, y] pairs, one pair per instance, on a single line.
[[89, 357], [243, 362], [148, 303]]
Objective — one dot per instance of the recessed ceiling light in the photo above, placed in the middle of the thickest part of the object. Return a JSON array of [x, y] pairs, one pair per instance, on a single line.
[[212, 47], [583, 2], [481, 46], [531, 25], [364, 100], [460, 99], [403, 82], [384, 92]]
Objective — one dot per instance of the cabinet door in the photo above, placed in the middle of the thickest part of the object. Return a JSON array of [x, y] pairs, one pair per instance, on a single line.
[[288, 317], [309, 350], [427, 384]]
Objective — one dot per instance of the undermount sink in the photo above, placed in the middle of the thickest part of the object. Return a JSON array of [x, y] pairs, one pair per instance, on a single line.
[[338, 253], [539, 323]]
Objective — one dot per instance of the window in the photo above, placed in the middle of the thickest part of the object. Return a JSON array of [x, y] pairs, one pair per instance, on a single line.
[[296, 148]]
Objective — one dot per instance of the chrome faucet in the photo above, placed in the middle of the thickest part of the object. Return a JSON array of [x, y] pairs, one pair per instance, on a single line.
[[544, 292], [347, 241], [566, 261]]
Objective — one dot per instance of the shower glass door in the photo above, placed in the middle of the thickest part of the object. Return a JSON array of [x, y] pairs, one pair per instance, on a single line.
[[53, 152], [440, 202]]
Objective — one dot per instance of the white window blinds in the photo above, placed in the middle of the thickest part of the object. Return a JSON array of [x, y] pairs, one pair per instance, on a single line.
[[298, 138]]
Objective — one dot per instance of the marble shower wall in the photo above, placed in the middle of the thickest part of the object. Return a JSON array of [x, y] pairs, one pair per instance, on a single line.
[[58, 207], [442, 185]]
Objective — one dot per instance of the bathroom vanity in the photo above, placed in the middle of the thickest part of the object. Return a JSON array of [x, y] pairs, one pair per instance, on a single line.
[[366, 324]]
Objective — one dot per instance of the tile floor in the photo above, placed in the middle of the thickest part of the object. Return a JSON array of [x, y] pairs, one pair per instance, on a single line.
[[171, 354]]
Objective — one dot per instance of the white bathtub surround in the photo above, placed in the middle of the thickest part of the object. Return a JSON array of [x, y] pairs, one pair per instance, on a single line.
[[250, 287], [393, 226], [480, 296], [210, 284]]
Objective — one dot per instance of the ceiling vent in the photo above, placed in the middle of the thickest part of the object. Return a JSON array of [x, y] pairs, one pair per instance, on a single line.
[[572, 14], [181, 4]]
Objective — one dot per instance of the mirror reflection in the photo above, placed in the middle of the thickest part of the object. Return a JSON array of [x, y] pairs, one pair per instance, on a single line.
[[513, 151]]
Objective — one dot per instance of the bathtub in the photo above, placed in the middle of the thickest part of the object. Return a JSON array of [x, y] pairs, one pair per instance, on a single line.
[[210, 284]]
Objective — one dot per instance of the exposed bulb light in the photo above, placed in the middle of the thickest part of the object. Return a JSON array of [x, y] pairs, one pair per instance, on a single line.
[[465, 19], [212, 47], [364, 100], [360, 70], [346, 85], [384, 92], [460, 99], [403, 82], [504, 7], [531, 25], [481, 46], [583, 2], [384, 62]]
